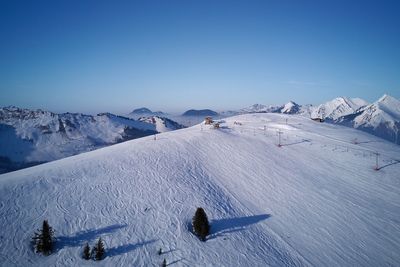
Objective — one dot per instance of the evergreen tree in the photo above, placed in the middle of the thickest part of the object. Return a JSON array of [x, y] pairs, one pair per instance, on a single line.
[[160, 251], [86, 252], [200, 224], [164, 263], [98, 250], [43, 239]]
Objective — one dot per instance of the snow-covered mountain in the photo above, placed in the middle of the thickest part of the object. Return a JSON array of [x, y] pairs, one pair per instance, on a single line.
[[260, 108], [28, 137], [338, 107], [314, 201], [162, 124], [144, 112], [291, 108], [381, 118]]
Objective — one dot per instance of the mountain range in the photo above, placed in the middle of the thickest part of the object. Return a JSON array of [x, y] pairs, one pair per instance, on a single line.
[[29, 137], [381, 118]]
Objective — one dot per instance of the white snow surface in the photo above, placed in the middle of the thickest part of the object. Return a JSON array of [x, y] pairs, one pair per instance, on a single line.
[[314, 201]]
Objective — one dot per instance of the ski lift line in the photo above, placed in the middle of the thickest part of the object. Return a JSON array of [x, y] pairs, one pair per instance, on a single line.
[[355, 147], [347, 144]]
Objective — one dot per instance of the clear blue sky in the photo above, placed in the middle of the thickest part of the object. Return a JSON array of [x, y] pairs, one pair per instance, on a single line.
[[92, 56]]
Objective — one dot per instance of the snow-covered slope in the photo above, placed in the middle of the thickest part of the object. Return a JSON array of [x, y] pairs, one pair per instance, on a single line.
[[314, 201], [162, 124], [32, 136], [338, 107], [381, 118]]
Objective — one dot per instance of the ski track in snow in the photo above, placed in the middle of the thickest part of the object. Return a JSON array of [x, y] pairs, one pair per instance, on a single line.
[[315, 201]]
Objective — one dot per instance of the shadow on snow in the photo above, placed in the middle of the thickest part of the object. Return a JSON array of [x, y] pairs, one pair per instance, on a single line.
[[296, 143], [82, 237], [115, 251], [224, 226], [389, 164]]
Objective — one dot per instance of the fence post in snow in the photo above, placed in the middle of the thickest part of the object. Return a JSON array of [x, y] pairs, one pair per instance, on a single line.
[[279, 138], [376, 161]]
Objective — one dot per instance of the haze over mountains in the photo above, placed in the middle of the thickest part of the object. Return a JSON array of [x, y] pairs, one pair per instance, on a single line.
[[29, 137]]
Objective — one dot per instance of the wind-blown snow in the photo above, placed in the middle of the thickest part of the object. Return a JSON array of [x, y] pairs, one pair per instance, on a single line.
[[315, 201]]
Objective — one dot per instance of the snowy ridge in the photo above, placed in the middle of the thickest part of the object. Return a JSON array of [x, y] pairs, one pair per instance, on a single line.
[[314, 201], [337, 107], [162, 124], [34, 136], [290, 108], [381, 118], [259, 108]]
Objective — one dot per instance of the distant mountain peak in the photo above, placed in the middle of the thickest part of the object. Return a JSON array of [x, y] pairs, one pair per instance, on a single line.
[[338, 107], [381, 118], [142, 110], [290, 108], [200, 112]]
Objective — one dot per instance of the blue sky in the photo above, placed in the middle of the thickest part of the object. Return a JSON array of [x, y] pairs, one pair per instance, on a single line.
[[93, 56]]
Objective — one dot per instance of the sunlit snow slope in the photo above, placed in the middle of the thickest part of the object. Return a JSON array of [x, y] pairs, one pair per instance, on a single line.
[[314, 201]]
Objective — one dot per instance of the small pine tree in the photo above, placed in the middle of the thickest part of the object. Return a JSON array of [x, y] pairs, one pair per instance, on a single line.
[[160, 251], [164, 263], [98, 250], [43, 240], [200, 224], [86, 252]]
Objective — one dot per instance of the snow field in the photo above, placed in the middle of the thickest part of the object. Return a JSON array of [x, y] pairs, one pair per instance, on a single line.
[[315, 201]]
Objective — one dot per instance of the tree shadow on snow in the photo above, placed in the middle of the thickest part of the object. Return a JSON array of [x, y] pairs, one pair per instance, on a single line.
[[80, 238], [175, 261], [111, 252], [224, 226]]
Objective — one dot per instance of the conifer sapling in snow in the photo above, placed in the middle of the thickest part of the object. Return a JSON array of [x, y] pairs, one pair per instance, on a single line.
[[43, 240], [200, 224], [99, 250], [86, 252], [164, 263]]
